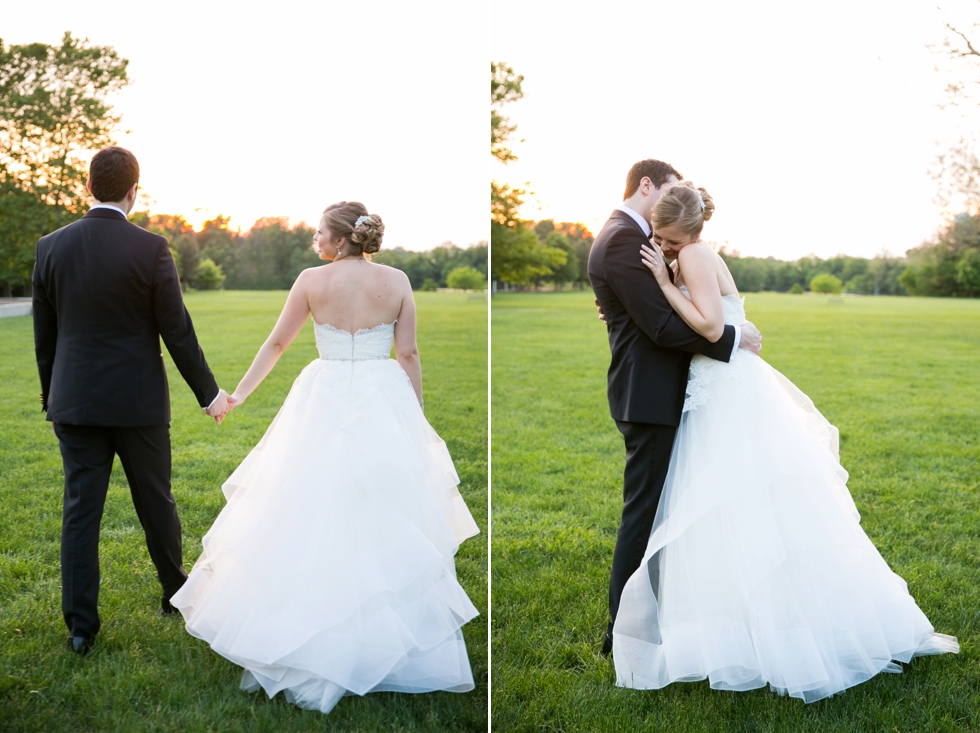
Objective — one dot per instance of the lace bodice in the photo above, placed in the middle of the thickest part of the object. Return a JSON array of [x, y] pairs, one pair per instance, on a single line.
[[335, 344], [701, 370]]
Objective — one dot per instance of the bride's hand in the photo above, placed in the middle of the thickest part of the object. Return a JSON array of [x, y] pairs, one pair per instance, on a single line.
[[653, 258], [234, 400]]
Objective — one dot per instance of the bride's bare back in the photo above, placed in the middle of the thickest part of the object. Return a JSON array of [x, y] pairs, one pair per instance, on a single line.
[[350, 294], [354, 294]]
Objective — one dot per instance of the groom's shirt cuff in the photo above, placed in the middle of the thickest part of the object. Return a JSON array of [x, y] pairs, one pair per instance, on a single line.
[[219, 391], [738, 338]]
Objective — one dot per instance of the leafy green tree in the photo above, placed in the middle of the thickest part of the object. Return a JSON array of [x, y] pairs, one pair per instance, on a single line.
[[968, 271], [466, 278], [567, 272], [189, 256], [271, 255], [826, 283], [933, 266], [429, 286], [797, 289], [53, 114], [208, 275], [580, 240], [517, 255], [505, 87], [218, 243], [435, 264]]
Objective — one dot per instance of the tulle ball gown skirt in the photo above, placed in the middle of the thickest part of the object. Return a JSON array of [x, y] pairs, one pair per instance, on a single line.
[[330, 570], [757, 571]]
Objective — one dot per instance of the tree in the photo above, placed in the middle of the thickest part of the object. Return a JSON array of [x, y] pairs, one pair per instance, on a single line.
[[505, 87], [968, 271], [826, 283], [567, 272], [53, 114], [436, 264], [189, 256], [517, 255], [933, 266], [208, 275], [219, 244], [466, 278], [957, 170]]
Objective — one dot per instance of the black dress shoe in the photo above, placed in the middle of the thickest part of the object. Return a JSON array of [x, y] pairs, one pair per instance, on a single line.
[[168, 608], [80, 644]]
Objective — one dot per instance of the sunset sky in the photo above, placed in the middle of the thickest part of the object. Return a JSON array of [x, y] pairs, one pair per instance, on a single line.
[[253, 109], [813, 125]]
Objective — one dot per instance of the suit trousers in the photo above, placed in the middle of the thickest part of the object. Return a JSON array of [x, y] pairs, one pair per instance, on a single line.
[[648, 449], [87, 452]]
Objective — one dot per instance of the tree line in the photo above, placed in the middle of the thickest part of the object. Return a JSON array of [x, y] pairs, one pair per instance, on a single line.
[[54, 112], [271, 254], [529, 255]]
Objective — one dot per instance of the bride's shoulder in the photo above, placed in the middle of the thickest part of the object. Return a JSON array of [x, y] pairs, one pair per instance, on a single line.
[[696, 252], [393, 275]]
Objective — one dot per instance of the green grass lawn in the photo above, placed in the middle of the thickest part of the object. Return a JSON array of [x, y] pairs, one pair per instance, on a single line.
[[900, 377], [146, 673]]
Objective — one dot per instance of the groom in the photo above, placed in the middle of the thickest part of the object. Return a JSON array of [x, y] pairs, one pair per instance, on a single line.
[[651, 352], [105, 292]]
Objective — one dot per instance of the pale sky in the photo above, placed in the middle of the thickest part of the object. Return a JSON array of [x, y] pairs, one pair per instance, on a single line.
[[254, 109], [813, 125]]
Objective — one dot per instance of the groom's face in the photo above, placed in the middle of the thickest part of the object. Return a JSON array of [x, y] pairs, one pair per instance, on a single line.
[[656, 193], [652, 193]]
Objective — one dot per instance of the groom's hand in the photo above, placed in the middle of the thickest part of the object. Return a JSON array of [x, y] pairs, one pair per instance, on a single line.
[[602, 316], [751, 338], [219, 408]]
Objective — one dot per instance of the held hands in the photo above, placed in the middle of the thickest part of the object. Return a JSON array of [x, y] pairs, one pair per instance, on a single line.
[[653, 258], [602, 315], [224, 404]]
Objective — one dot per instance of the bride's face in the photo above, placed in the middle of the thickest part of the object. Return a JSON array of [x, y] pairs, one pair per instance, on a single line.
[[324, 244], [672, 240]]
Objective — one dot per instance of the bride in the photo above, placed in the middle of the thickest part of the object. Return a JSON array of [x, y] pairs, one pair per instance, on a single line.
[[330, 569], [757, 570]]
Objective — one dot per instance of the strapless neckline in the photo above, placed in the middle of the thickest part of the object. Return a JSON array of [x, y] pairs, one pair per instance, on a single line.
[[687, 292], [358, 332]]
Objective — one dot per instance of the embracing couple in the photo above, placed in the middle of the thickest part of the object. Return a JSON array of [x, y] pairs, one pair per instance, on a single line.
[[330, 570], [740, 557]]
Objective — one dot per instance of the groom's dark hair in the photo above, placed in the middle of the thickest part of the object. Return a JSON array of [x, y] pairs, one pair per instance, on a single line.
[[656, 170], [113, 171]]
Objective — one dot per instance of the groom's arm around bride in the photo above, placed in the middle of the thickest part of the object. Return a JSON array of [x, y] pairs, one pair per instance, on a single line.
[[651, 350]]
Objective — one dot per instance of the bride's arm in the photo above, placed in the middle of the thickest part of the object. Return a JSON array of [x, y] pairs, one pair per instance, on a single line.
[[406, 349], [291, 320], [704, 311]]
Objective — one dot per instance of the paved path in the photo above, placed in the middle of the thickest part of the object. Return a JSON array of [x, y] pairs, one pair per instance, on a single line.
[[15, 307]]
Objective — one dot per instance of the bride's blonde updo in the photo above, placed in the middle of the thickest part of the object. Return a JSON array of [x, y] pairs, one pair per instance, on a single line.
[[684, 206], [351, 220]]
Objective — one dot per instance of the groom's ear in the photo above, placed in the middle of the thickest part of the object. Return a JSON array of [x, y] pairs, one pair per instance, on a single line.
[[646, 186], [88, 185]]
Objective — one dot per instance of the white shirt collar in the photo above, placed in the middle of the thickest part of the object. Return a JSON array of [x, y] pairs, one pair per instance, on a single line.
[[109, 206], [644, 224]]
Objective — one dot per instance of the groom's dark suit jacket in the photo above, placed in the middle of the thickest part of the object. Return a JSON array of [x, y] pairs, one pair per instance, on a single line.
[[105, 291], [651, 346]]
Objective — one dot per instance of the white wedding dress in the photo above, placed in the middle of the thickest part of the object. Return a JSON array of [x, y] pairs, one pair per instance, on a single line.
[[757, 570], [330, 570]]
